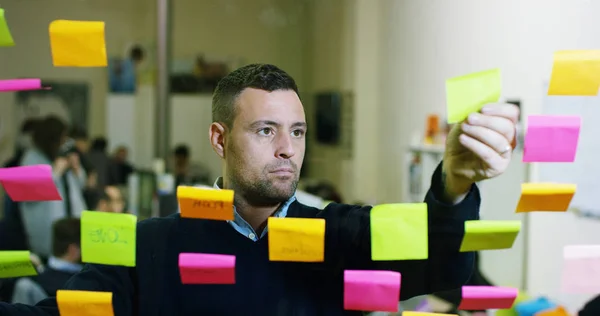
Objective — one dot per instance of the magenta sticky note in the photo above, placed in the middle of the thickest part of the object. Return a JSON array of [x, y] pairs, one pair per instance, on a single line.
[[581, 269], [20, 85], [203, 268], [366, 290], [29, 183], [551, 138], [487, 297]]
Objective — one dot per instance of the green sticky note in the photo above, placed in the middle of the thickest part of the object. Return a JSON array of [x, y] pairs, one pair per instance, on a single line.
[[15, 264], [468, 94], [5, 37], [108, 238], [486, 235], [399, 232]]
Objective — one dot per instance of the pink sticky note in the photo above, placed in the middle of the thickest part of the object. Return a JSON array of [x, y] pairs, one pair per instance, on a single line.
[[29, 183], [201, 268], [551, 138], [581, 269], [20, 85], [487, 297], [366, 290]]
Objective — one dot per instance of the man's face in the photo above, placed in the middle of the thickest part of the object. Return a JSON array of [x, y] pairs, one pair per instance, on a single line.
[[265, 148], [114, 204]]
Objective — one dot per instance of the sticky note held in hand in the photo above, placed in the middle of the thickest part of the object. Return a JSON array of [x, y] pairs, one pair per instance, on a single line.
[[205, 203], [78, 43], [575, 72], [551, 138], [296, 239], [366, 290], [84, 303], [486, 235], [468, 94], [399, 232], [202, 268], [29, 183], [549, 197], [581, 272], [108, 238], [16, 264], [487, 297], [5, 36]]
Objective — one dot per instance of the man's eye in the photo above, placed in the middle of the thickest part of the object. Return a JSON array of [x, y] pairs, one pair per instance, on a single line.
[[298, 133], [265, 131]]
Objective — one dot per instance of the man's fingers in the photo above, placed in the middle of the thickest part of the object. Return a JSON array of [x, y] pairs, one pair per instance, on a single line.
[[484, 152], [505, 110], [488, 137], [499, 124]]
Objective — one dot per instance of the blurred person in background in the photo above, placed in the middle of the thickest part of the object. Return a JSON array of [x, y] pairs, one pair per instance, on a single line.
[[184, 171], [98, 158], [69, 176], [24, 142], [110, 199], [119, 168], [62, 265]]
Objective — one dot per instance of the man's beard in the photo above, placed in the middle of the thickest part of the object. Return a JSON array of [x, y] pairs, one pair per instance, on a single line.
[[264, 192]]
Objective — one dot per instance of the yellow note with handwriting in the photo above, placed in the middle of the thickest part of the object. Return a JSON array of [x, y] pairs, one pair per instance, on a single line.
[[84, 303], [78, 43], [486, 235], [205, 203], [296, 239], [575, 72], [108, 238], [551, 197]]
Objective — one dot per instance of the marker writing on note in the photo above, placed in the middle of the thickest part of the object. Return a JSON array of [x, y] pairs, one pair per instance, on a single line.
[[106, 236], [208, 204], [299, 249], [14, 265]]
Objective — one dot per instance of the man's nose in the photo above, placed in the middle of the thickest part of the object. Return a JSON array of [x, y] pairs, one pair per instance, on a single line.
[[285, 146]]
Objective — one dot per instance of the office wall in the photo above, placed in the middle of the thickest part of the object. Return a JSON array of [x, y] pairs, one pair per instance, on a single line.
[[429, 41]]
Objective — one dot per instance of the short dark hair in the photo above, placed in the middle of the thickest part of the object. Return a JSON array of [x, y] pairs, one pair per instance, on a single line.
[[99, 144], [48, 135], [78, 133], [29, 125], [65, 232], [182, 151], [258, 76]]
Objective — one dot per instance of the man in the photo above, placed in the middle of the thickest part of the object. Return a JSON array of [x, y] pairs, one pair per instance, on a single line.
[[108, 200], [259, 130], [65, 262], [186, 172], [119, 168]]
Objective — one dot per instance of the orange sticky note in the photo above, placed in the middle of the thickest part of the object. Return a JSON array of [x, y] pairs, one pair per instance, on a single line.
[[78, 43], [296, 239], [205, 203], [84, 303], [552, 197], [559, 311], [575, 72]]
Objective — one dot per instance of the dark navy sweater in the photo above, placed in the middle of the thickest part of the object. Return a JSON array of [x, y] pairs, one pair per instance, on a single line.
[[153, 287]]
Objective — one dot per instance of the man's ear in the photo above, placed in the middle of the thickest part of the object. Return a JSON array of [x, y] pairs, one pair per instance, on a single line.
[[216, 136]]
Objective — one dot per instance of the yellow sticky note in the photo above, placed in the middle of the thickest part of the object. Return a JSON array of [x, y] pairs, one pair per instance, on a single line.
[[553, 197], [408, 313], [5, 37], [78, 43], [108, 238], [399, 232], [84, 303], [575, 72], [15, 264], [296, 239], [469, 93], [485, 235], [205, 203]]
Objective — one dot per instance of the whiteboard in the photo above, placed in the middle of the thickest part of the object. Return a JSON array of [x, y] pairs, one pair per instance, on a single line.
[[585, 170]]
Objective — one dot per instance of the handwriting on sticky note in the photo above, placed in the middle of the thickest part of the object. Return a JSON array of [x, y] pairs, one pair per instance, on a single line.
[[16, 264], [551, 138], [20, 85], [399, 231], [78, 43], [469, 93], [5, 36], [29, 183], [581, 272], [575, 72], [485, 235], [202, 268], [84, 303], [296, 239], [206, 203], [550, 197], [487, 297], [366, 290], [108, 238], [409, 313]]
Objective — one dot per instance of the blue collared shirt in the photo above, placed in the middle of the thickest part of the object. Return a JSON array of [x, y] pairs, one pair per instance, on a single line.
[[240, 224], [63, 265]]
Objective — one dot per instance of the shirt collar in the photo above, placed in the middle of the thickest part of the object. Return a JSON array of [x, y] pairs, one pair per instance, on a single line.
[[63, 265]]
